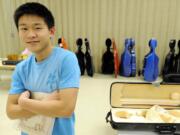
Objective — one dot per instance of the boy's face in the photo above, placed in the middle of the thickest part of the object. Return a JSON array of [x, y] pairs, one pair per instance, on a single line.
[[34, 33]]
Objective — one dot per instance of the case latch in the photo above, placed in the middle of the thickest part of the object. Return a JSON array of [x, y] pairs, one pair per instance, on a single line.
[[107, 117], [165, 129]]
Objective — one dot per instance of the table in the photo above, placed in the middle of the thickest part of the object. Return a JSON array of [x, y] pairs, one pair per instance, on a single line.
[[6, 71], [6, 67]]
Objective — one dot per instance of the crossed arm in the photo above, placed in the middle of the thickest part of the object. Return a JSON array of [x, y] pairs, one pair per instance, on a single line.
[[57, 104]]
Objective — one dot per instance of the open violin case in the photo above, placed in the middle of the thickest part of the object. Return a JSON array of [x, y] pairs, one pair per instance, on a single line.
[[143, 106]]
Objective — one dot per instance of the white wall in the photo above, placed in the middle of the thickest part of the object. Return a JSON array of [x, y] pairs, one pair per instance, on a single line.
[[99, 19]]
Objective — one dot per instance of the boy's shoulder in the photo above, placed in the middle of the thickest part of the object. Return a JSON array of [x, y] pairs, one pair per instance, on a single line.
[[64, 52], [24, 63]]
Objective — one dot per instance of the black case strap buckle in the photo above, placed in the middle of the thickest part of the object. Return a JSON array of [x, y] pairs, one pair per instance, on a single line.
[[165, 129]]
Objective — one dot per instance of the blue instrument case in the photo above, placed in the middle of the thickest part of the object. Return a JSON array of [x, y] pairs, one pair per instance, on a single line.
[[151, 62]]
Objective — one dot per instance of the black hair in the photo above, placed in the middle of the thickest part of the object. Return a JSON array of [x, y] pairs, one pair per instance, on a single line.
[[34, 8]]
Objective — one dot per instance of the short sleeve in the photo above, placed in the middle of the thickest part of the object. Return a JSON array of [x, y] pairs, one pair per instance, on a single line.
[[17, 86], [70, 72]]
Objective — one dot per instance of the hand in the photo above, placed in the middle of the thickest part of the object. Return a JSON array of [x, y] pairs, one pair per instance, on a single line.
[[53, 96], [23, 96]]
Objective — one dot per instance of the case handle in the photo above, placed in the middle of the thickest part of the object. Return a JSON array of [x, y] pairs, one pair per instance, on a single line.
[[107, 116], [165, 129]]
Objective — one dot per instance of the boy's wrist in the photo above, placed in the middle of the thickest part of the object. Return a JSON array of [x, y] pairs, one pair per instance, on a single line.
[[22, 102]]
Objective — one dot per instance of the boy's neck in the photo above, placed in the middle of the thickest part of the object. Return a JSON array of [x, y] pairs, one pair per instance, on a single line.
[[44, 54]]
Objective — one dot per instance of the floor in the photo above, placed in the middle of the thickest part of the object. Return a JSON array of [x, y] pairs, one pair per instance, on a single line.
[[91, 108]]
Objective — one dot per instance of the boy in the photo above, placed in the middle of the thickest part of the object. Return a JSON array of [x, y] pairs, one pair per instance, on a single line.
[[47, 70]]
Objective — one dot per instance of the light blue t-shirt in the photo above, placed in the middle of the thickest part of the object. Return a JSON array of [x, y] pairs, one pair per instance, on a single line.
[[59, 71]]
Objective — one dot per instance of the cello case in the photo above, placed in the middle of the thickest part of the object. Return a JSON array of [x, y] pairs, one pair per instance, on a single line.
[[80, 55], [116, 59], [128, 59], [133, 58], [108, 59], [172, 75], [88, 59], [125, 68], [177, 60], [151, 61], [170, 58]]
